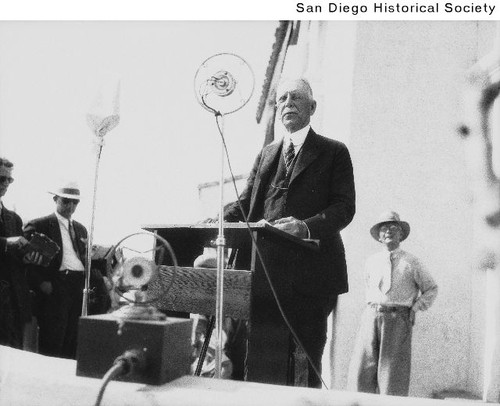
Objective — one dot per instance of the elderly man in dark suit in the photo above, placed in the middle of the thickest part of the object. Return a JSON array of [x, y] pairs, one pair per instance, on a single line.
[[303, 184], [59, 286]]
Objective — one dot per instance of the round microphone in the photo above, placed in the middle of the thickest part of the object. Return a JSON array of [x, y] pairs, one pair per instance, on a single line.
[[137, 272], [222, 83]]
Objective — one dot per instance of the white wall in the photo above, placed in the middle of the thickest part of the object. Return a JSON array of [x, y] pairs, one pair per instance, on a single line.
[[407, 157]]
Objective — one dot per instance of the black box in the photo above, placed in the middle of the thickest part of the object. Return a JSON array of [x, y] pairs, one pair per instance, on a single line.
[[166, 344]]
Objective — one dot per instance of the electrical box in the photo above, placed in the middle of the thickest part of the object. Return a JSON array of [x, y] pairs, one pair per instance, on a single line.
[[165, 343]]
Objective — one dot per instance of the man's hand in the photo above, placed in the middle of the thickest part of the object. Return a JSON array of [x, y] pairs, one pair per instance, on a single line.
[[46, 287], [15, 243], [34, 258], [292, 226]]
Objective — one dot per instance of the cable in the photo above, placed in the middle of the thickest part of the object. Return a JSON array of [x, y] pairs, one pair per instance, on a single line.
[[115, 371], [264, 267], [125, 364]]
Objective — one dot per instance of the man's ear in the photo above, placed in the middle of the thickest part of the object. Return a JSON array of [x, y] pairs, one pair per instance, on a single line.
[[313, 107]]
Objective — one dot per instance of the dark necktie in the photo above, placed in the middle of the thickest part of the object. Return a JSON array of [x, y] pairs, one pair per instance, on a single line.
[[72, 234], [289, 156]]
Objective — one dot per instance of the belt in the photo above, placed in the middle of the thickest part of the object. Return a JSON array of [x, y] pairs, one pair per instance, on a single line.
[[388, 309]]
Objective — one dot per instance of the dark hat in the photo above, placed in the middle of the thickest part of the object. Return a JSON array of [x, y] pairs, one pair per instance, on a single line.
[[390, 217]]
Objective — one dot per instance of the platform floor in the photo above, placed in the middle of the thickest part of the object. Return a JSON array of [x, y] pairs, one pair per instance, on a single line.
[[29, 379]]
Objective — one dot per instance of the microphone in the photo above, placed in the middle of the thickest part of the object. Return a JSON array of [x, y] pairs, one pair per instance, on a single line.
[[222, 83]]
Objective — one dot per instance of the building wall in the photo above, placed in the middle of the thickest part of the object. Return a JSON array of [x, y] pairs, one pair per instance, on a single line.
[[406, 106]]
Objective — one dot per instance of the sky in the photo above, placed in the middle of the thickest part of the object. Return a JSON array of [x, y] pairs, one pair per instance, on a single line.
[[54, 73]]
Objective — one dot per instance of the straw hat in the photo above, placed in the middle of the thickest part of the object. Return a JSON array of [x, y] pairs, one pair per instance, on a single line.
[[69, 190], [390, 217]]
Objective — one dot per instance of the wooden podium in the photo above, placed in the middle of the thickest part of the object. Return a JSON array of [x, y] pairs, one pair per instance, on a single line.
[[247, 293]]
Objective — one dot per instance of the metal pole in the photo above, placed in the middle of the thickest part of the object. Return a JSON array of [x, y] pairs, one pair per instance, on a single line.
[[220, 243], [88, 263]]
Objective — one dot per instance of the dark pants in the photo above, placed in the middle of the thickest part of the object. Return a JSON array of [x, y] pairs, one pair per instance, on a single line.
[[236, 346], [311, 326], [58, 313], [10, 323], [310, 321]]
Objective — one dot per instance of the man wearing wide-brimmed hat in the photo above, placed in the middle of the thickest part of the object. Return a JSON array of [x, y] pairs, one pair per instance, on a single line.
[[59, 286], [397, 286]]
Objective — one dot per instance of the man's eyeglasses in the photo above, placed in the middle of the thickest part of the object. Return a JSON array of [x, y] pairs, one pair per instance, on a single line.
[[392, 228], [64, 200], [7, 179], [293, 97]]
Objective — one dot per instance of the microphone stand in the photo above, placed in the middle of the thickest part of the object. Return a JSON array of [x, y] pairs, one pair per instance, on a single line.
[[220, 244], [221, 83], [88, 263]]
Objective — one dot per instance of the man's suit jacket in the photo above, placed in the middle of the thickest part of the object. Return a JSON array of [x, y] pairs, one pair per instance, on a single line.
[[11, 267], [321, 193], [49, 226]]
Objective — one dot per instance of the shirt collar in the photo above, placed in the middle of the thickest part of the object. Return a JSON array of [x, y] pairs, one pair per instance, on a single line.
[[298, 137], [394, 252], [62, 219]]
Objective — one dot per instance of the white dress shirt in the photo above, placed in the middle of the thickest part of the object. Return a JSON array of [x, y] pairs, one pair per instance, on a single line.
[[298, 138], [411, 284], [70, 259]]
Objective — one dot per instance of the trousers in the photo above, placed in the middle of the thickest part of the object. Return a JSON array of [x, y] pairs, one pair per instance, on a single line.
[[381, 361], [309, 316], [58, 314]]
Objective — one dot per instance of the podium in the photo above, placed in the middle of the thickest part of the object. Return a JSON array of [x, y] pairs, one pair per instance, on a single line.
[[247, 293]]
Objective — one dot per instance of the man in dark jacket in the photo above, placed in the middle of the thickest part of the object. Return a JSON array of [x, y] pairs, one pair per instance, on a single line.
[[15, 309], [303, 184], [59, 286]]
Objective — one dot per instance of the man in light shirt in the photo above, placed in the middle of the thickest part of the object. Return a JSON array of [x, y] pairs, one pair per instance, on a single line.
[[397, 286], [59, 286]]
